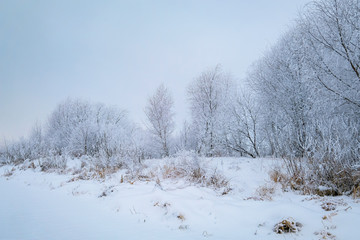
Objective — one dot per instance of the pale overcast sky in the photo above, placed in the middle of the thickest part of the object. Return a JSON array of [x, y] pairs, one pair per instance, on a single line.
[[118, 52]]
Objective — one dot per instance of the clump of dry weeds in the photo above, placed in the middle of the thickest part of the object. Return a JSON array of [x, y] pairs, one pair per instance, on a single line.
[[356, 192], [195, 174], [8, 173], [325, 235], [181, 217], [288, 225], [288, 182], [265, 192], [328, 206]]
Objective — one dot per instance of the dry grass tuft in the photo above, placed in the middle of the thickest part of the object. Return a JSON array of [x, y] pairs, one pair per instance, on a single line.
[[8, 173], [162, 205], [287, 226], [172, 172], [181, 217], [265, 192], [192, 172], [97, 173], [328, 206], [356, 192], [329, 217], [122, 179], [277, 176], [295, 181], [325, 235], [226, 191]]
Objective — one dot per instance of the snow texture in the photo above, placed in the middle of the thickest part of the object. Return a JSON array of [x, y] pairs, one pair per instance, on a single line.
[[38, 205]]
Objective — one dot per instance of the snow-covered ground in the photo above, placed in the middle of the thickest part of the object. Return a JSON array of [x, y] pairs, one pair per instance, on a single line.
[[39, 205]]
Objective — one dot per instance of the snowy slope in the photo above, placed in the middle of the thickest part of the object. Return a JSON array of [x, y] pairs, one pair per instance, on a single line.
[[38, 205]]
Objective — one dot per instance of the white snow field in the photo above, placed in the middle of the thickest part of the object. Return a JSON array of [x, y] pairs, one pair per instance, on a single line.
[[42, 206]]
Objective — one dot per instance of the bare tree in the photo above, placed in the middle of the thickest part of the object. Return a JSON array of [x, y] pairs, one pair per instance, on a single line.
[[159, 113]]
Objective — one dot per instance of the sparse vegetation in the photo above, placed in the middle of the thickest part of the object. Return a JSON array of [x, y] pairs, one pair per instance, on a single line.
[[325, 235], [299, 175], [8, 173], [53, 163], [183, 167]]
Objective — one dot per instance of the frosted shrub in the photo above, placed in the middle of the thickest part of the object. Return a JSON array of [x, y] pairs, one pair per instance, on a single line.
[[53, 162], [17, 152], [187, 166], [331, 164]]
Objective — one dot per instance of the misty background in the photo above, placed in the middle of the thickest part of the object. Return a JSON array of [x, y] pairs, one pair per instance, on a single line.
[[118, 52]]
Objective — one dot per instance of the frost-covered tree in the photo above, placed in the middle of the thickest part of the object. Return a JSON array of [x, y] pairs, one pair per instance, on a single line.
[[63, 121], [37, 142], [308, 89], [284, 92], [331, 29], [208, 96], [185, 139], [80, 128], [160, 116], [243, 132], [30, 148]]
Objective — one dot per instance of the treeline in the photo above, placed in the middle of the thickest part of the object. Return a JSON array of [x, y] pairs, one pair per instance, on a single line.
[[307, 88], [301, 102]]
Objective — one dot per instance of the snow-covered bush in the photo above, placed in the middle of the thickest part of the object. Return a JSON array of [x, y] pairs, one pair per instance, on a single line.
[[54, 162], [80, 128], [16, 152], [77, 128], [189, 167]]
